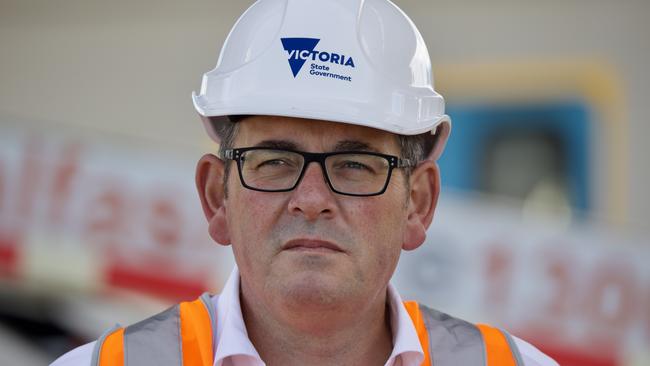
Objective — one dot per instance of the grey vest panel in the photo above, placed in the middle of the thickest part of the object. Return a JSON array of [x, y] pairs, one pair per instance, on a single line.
[[155, 341], [452, 341], [206, 299]]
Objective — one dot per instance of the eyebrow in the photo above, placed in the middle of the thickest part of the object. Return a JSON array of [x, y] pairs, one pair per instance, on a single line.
[[277, 144], [345, 145], [353, 145]]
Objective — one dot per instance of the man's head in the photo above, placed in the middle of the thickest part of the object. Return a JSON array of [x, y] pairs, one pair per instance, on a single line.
[[310, 245], [288, 79]]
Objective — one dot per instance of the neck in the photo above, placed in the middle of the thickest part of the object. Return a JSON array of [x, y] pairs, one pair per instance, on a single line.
[[349, 334]]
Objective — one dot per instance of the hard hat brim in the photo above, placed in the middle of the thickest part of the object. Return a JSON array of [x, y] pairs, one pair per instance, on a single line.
[[310, 110]]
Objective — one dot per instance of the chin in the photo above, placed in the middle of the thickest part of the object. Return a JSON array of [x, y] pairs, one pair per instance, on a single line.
[[312, 290]]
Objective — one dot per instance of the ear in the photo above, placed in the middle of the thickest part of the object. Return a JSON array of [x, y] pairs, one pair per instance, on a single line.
[[423, 197], [210, 184]]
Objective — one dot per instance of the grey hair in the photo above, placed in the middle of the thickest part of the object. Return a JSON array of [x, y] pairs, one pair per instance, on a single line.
[[415, 148], [226, 131]]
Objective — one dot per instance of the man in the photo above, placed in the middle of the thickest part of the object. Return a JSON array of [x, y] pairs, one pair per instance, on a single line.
[[329, 130]]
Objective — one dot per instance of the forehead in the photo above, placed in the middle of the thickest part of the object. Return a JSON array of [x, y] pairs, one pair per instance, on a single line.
[[311, 135]]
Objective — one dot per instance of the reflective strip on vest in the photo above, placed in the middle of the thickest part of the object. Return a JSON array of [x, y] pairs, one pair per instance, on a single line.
[[498, 348], [513, 348], [451, 341], [95, 356], [111, 350], [182, 336]]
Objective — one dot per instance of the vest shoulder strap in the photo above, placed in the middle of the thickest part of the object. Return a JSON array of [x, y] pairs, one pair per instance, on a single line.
[[500, 348], [109, 348], [448, 341], [178, 336]]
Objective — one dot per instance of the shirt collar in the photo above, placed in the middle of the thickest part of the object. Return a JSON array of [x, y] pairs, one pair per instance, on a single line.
[[232, 336], [406, 344]]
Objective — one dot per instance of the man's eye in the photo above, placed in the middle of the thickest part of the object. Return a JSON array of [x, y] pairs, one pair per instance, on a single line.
[[273, 162], [354, 165]]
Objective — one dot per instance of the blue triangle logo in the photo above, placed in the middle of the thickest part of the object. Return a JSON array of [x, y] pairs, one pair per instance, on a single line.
[[295, 47]]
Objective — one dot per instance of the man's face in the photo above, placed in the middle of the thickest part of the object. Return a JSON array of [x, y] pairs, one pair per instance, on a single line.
[[311, 246]]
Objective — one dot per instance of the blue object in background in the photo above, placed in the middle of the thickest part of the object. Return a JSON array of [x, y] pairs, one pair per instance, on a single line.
[[477, 126]]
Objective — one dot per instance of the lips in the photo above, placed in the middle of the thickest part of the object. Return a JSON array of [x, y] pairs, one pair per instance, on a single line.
[[311, 245]]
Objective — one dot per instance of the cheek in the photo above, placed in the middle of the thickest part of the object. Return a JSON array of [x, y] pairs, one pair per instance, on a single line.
[[246, 215], [251, 223], [382, 226], [385, 213]]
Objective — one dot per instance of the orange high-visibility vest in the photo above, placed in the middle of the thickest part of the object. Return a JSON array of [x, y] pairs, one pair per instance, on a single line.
[[182, 335]]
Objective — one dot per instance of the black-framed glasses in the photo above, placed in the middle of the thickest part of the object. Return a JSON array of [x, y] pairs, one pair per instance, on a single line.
[[352, 173]]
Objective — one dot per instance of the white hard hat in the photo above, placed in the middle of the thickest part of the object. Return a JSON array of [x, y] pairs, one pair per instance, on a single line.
[[361, 62]]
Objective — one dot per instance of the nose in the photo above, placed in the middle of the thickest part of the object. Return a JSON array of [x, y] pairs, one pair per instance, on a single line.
[[312, 198]]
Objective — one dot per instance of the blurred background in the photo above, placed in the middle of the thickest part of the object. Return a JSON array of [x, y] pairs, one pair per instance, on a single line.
[[542, 226]]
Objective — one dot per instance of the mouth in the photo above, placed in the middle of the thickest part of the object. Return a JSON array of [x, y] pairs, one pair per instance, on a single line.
[[312, 245]]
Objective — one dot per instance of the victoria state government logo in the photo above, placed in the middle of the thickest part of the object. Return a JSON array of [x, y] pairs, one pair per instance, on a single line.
[[301, 50]]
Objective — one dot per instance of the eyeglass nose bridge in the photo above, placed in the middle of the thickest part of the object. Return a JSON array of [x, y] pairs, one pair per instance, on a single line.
[[319, 158]]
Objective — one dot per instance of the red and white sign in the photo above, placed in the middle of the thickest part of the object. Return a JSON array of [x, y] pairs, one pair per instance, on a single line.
[[100, 215], [582, 293]]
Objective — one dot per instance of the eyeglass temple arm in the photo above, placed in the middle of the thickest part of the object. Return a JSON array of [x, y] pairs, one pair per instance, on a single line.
[[405, 163]]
